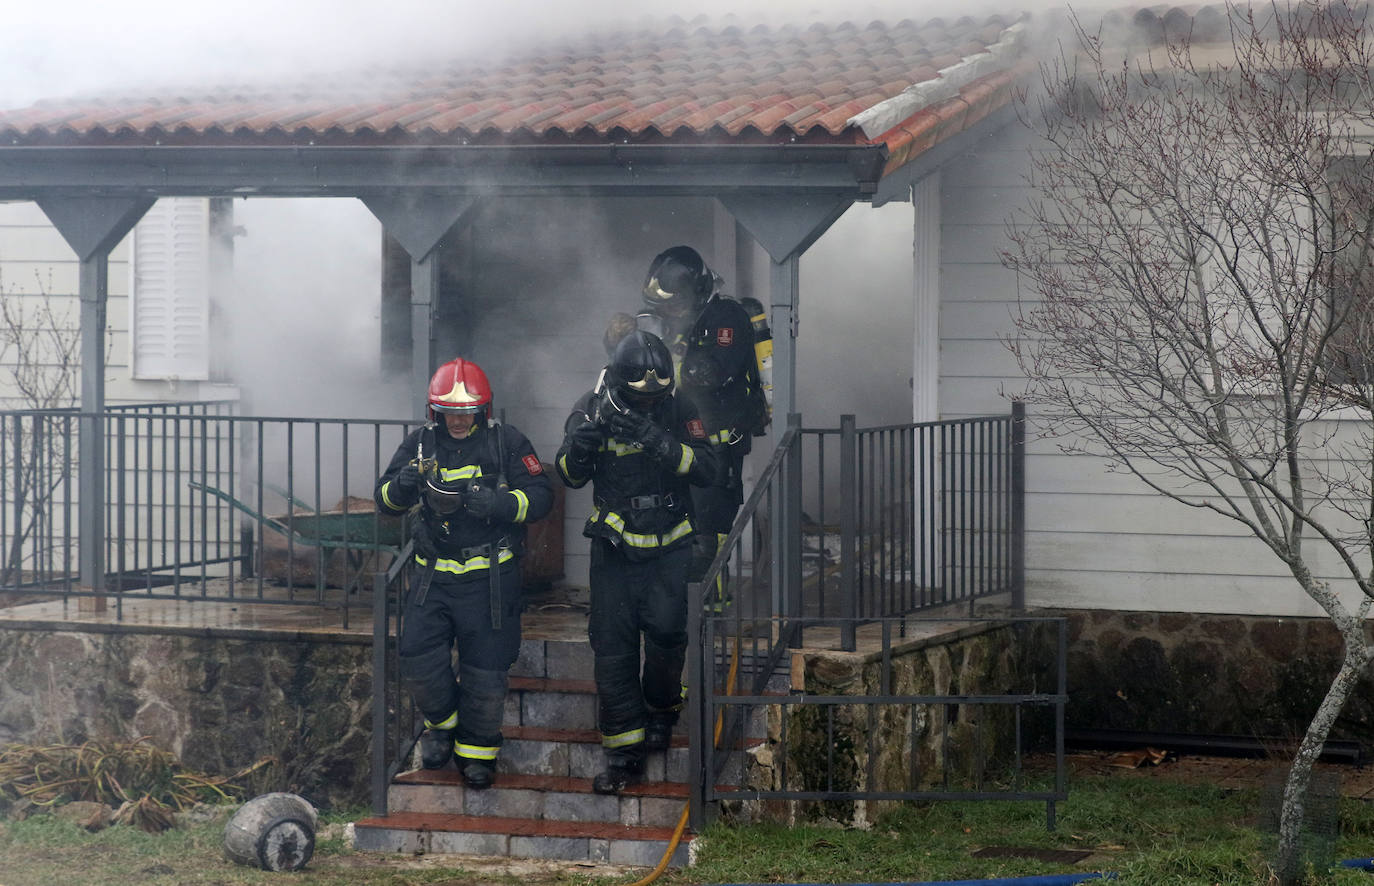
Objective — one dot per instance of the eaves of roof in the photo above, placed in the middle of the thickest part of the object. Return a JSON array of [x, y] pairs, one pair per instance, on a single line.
[[691, 85]]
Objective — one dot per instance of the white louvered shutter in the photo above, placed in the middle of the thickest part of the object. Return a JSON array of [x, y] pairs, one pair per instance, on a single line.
[[170, 336]]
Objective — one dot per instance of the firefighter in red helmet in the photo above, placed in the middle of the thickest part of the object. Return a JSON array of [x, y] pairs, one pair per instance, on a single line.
[[474, 483], [642, 448]]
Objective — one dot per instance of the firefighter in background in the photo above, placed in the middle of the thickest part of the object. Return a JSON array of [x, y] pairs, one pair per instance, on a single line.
[[476, 483], [723, 354], [643, 449]]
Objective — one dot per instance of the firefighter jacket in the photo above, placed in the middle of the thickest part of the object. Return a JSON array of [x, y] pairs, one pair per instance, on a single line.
[[493, 455], [641, 503], [719, 371]]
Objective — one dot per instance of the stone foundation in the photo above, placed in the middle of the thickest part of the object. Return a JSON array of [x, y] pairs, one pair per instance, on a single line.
[[1207, 674], [218, 704], [904, 747]]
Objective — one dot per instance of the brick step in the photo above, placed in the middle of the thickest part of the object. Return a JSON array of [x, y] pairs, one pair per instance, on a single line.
[[514, 795], [612, 842]]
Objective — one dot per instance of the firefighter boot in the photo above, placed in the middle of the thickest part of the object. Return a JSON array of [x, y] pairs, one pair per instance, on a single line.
[[436, 742], [624, 767], [658, 734], [429, 677], [481, 704], [477, 774]]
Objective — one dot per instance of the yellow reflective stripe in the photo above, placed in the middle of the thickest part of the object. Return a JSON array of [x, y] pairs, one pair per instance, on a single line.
[[623, 739], [684, 464], [466, 472], [644, 540], [722, 436], [522, 505], [458, 568], [386, 497], [618, 448], [682, 698], [449, 722], [474, 751]]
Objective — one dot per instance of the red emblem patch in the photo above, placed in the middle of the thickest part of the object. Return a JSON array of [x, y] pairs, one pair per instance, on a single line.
[[532, 464], [725, 336], [696, 429]]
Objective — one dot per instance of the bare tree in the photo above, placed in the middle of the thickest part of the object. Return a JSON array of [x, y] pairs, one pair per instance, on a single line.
[[1199, 248], [40, 362]]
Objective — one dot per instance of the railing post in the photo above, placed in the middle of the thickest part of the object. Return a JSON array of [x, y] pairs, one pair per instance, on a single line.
[[849, 504], [1018, 504], [790, 549], [698, 710], [381, 684]]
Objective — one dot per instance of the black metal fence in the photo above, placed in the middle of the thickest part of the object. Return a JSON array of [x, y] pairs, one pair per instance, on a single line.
[[850, 541], [901, 518], [196, 503]]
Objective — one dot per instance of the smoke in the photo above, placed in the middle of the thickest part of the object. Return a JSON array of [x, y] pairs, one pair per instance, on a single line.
[[57, 49]]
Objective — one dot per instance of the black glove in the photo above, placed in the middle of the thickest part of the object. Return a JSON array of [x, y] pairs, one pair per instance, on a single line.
[[584, 441], [484, 502], [424, 540], [636, 428], [406, 485]]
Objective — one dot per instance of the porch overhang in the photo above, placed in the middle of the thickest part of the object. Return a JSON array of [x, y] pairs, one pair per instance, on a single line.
[[31, 173]]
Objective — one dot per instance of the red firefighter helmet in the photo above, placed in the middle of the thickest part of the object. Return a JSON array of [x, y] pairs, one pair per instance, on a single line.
[[459, 386]]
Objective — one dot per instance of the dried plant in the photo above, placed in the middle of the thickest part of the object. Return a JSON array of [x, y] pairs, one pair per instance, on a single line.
[[145, 783]]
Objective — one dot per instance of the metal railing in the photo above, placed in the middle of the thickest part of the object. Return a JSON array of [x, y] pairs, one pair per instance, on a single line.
[[851, 540], [199, 504]]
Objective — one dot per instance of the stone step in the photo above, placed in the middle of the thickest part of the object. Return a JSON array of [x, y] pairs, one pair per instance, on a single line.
[[571, 704], [577, 753], [551, 702], [431, 832], [650, 803]]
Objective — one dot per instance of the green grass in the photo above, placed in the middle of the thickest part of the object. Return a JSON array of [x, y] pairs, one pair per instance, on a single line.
[[1152, 832]]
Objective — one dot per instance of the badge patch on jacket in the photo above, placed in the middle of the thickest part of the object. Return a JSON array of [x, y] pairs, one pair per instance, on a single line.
[[725, 336], [696, 429], [532, 464]]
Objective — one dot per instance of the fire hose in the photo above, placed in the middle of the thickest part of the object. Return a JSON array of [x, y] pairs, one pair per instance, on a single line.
[[686, 807]]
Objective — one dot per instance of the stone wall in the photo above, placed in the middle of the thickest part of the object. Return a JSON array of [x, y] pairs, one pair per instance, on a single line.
[[905, 747], [219, 704], [1207, 674]]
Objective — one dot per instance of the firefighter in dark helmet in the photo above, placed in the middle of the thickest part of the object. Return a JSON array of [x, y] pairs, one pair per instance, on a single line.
[[642, 448], [475, 483], [722, 349]]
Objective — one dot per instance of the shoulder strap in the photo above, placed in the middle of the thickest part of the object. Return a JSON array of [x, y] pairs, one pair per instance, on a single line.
[[498, 440]]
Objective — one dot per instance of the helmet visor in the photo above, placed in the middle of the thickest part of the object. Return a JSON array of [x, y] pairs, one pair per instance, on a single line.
[[442, 498], [460, 410]]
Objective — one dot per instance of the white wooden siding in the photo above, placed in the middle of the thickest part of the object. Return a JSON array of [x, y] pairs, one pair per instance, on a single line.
[[1094, 539]]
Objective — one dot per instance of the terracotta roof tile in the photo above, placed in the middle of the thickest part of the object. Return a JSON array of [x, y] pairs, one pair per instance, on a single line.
[[681, 80]]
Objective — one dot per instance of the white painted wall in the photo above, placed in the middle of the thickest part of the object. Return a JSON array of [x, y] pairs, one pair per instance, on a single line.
[[1095, 539]]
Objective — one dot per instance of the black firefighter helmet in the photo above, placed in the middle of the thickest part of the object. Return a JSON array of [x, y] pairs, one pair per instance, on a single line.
[[641, 370], [678, 282]]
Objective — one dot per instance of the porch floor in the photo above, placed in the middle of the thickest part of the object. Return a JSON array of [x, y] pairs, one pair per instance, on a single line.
[[258, 611], [557, 614]]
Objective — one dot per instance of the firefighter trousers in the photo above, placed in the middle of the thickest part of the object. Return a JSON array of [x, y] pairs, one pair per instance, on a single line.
[[458, 611], [630, 599]]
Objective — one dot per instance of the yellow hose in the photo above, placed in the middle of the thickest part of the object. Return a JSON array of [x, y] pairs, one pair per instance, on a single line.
[[682, 819]]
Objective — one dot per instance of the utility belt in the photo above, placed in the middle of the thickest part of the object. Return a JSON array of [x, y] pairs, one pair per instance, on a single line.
[[638, 503], [501, 544], [491, 552]]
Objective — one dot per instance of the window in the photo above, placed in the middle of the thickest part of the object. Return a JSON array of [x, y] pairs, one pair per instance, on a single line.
[[1352, 270]]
